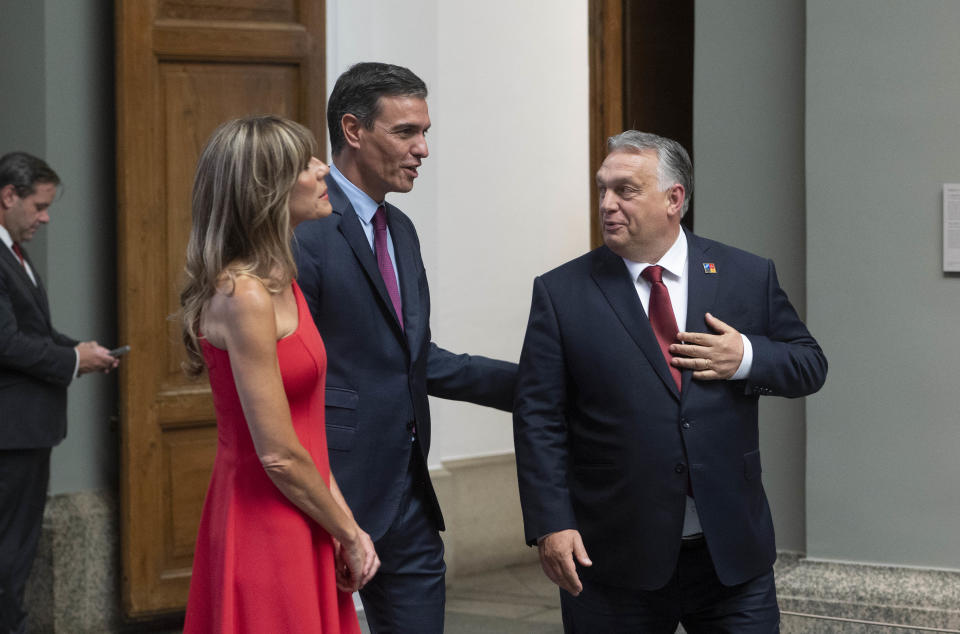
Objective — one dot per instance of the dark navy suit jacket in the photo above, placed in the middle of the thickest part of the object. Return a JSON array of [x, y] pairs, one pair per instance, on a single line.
[[379, 374], [36, 362], [605, 441]]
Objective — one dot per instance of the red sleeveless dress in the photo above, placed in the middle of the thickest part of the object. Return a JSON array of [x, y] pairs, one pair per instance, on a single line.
[[262, 566]]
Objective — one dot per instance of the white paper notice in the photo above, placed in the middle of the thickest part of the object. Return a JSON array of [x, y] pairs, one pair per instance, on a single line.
[[951, 227]]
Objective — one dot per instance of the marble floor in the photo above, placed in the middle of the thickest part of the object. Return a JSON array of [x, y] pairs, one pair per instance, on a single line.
[[815, 598], [513, 600], [521, 600]]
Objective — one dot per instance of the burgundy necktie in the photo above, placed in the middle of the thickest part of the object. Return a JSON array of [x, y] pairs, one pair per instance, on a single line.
[[662, 319], [383, 260], [16, 249]]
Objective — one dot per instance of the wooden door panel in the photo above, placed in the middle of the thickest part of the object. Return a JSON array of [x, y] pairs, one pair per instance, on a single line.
[[183, 67], [257, 10], [197, 98], [187, 459], [177, 40]]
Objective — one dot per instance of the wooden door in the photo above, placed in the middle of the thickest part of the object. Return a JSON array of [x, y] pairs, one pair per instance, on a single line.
[[641, 78], [183, 67]]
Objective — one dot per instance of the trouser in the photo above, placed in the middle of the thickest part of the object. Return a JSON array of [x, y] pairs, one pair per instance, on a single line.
[[694, 597], [408, 593], [24, 476]]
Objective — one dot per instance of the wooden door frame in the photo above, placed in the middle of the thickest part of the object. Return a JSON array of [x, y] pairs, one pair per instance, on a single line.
[[605, 24], [612, 55]]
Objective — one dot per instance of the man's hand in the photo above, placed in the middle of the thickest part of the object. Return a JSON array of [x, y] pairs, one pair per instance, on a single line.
[[557, 551], [711, 357], [94, 358]]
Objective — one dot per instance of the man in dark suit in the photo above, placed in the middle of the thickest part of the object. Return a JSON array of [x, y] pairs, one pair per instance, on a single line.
[[37, 364], [361, 272], [638, 445]]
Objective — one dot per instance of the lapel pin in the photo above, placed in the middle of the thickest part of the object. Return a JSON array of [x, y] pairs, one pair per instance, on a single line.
[[709, 267]]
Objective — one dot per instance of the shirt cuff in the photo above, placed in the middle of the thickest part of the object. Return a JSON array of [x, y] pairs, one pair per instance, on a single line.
[[746, 362], [76, 364]]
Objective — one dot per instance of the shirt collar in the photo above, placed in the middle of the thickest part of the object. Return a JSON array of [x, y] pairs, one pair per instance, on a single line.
[[5, 237], [362, 203], [674, 261]]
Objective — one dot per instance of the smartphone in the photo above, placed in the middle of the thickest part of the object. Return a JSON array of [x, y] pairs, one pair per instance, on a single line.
[[119, 352]]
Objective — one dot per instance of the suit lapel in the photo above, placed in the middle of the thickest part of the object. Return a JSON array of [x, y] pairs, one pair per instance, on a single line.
[[19, 273], [353, 233], [701, 287], [610, 274], [405, 249]]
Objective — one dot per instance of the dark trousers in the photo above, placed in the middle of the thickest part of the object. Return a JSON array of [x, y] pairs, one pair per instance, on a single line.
[[694, 597], [24, 475], [408, 593]]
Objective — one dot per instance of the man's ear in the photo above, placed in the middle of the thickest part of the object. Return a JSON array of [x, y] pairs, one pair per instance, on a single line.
[[675, 197], [351, 127], [8, 196]]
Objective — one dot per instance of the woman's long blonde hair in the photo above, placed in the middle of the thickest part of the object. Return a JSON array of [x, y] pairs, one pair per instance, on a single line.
[[241, 215]]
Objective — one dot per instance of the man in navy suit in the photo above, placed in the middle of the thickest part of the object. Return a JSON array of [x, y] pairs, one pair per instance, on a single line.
[[361, 272], [637, 443], [37, 364]]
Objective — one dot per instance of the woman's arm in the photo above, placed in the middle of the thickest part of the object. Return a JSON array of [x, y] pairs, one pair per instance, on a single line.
[[246, 323], [343, 570], [338, 496]]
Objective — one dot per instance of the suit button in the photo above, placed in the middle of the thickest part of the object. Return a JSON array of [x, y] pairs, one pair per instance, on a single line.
[[680, 468], [685, 423]]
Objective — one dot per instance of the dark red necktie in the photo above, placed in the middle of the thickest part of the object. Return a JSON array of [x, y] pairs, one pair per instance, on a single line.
[[662, 319], [16, 249], [383, 260]]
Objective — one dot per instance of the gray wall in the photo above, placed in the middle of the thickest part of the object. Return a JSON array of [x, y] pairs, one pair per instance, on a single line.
[[57, 70], [23, 124], [883, 134], [749, 161]]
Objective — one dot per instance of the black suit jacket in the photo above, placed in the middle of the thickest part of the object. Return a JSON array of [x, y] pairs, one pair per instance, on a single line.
[[604, 439], [379, 374], [36, 362]]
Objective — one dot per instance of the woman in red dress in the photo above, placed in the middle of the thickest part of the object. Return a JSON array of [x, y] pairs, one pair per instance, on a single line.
[[278, 549]]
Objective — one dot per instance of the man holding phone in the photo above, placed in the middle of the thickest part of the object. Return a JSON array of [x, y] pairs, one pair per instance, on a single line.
[[37, 363]]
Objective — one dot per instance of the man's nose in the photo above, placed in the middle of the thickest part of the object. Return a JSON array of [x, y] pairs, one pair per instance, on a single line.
[[44, 217], [608, 203], [420, 150]]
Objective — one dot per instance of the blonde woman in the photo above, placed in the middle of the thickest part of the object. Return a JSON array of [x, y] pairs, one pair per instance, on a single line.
[[278, 549]]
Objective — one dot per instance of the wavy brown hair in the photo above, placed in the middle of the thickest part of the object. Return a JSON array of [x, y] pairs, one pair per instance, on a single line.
[[241, 217]]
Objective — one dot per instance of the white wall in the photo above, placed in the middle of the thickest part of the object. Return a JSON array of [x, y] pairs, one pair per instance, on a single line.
[[748, 139], [504, 195], [883, 98]]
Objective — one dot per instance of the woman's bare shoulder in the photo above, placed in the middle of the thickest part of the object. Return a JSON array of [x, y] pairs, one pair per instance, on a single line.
[[241, 303]]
